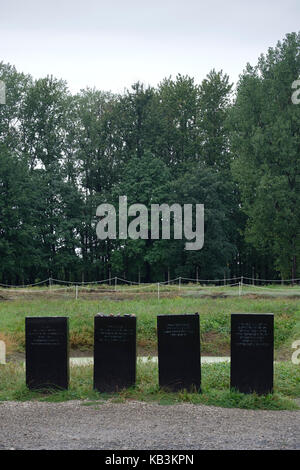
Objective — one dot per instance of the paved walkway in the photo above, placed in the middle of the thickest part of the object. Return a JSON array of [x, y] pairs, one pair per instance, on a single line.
[[84, 361]]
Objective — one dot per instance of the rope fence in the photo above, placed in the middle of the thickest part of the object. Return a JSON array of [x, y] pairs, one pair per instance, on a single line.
[[239, 286], [50, 281]]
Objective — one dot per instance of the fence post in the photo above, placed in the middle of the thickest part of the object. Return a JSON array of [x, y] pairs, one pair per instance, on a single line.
[[179, 283], [76, 292], [116, 281], [50, 283], [240, 288], [158, 291]]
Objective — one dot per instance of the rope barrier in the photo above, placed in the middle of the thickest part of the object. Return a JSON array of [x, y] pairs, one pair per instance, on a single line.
[[36, 291], [23, 286], [82, 283], [270, 289], [163, 284], [211, 280], [271, 280]]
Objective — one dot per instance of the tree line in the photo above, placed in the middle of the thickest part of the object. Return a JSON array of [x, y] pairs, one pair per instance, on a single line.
[[235, 151]]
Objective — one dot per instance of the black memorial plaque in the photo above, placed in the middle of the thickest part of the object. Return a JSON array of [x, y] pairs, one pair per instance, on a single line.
[[114, 352], [252, 352], [47, 352], [179, 352]]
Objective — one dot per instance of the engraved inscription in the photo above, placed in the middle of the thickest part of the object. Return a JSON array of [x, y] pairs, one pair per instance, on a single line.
[[179, 329], [252, 334], [45, 336], [111, 334]]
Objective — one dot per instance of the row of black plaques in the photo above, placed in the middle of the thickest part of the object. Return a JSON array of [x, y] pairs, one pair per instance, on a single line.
[[179, 363]]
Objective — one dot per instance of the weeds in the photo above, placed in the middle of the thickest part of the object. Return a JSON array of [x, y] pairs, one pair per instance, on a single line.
[[215, 388]]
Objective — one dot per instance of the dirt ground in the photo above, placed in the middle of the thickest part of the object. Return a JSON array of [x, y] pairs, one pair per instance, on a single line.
[[138, 425]]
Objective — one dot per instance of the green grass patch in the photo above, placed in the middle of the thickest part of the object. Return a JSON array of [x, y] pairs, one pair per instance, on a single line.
[[215, 388], [214, 318]]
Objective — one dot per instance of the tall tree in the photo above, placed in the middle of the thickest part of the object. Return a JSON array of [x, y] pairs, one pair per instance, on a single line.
[[265, 140], [214, 103], [44, 127], [177, 113]]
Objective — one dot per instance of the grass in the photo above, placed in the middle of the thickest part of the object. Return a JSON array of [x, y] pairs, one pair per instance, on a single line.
[[214, 319], [215, 388], [215, 340]]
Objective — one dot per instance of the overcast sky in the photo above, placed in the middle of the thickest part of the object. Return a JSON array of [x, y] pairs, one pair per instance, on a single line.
[[111, 44]]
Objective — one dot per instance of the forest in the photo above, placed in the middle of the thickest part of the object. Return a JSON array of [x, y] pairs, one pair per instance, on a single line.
[[234, 149]]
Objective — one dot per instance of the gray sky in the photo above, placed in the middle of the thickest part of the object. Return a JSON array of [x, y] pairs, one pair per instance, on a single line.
[[111, 44]]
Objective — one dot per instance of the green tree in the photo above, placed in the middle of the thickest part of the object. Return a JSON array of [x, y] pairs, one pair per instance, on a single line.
[[177, 111], [265, 141], [214, 105], [53, 215], [145, 182]]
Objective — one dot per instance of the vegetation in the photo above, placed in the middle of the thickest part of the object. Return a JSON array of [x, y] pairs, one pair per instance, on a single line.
[[215, 388], [214, 319], [61, 155], [215, 340], [235, 151]]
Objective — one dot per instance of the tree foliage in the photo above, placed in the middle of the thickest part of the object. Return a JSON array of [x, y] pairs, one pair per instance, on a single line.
[[62, 155], [265, 142]]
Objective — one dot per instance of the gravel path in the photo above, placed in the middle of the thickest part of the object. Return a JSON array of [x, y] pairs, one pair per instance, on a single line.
[[136, 425]]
